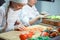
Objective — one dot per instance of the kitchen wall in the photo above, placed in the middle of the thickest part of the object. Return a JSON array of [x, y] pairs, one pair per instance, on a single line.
[[52, 8]]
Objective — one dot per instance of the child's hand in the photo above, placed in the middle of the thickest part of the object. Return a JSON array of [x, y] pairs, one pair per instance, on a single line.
[[20, 27]]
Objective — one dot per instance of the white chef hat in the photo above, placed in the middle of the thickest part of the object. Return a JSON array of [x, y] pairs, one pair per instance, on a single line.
[[20, 1]]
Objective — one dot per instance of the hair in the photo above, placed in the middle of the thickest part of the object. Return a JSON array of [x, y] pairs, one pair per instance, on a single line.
[[14, 5], [2, 39], [28, 1]]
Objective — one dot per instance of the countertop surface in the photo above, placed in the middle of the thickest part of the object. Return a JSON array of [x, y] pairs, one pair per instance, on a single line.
[[14, 35]]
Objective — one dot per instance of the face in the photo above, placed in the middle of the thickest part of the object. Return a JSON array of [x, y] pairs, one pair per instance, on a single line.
[[15, 5], [32, 2]]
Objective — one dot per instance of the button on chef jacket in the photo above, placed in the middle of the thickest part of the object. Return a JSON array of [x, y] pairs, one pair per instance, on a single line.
[[27, 14]]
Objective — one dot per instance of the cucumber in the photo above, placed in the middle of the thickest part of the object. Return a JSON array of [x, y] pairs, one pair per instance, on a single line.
[[45, 38], [40, 38]]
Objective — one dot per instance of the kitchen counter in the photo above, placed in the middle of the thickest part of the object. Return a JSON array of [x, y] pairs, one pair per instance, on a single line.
[[12, 35]]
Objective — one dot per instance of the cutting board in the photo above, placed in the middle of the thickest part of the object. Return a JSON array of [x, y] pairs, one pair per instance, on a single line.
[[12, 35]]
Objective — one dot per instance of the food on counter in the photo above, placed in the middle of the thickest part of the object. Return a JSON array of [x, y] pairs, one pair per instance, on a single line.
[[53, 34], [49, 28], [30, 34], [58, 30], [37, 28], [32, 39], [40, 38], [23, 36], [26, 35], [54, 17], [45, 34], [33, 28], [39, 33]]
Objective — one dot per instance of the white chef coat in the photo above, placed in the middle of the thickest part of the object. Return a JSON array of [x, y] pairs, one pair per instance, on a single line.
[[2, 14], [27, 14], [13, 16], [3, 10]]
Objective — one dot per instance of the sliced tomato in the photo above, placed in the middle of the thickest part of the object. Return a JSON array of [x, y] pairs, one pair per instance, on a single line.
[[45, 34], [30, 34], [23, 36]]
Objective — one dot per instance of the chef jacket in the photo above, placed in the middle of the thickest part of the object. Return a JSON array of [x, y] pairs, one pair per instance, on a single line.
[[3, 10], [13, 16], [28, 13]]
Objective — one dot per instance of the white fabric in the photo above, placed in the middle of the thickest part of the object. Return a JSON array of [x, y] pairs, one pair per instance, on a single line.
[[28, 13], [13, 16], [3, 10], [6, 4], [2, 14]]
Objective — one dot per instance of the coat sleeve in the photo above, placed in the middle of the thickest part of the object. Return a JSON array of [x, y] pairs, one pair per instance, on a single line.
[[2, 13], [24, 17], [3, 10], [36, 11]]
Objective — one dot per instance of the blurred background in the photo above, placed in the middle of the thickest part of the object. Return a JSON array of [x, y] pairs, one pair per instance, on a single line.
[[51, 7]]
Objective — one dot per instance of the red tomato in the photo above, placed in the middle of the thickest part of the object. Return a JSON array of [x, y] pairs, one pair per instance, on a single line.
[[23, 36], [30, 34], [45, 34]]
